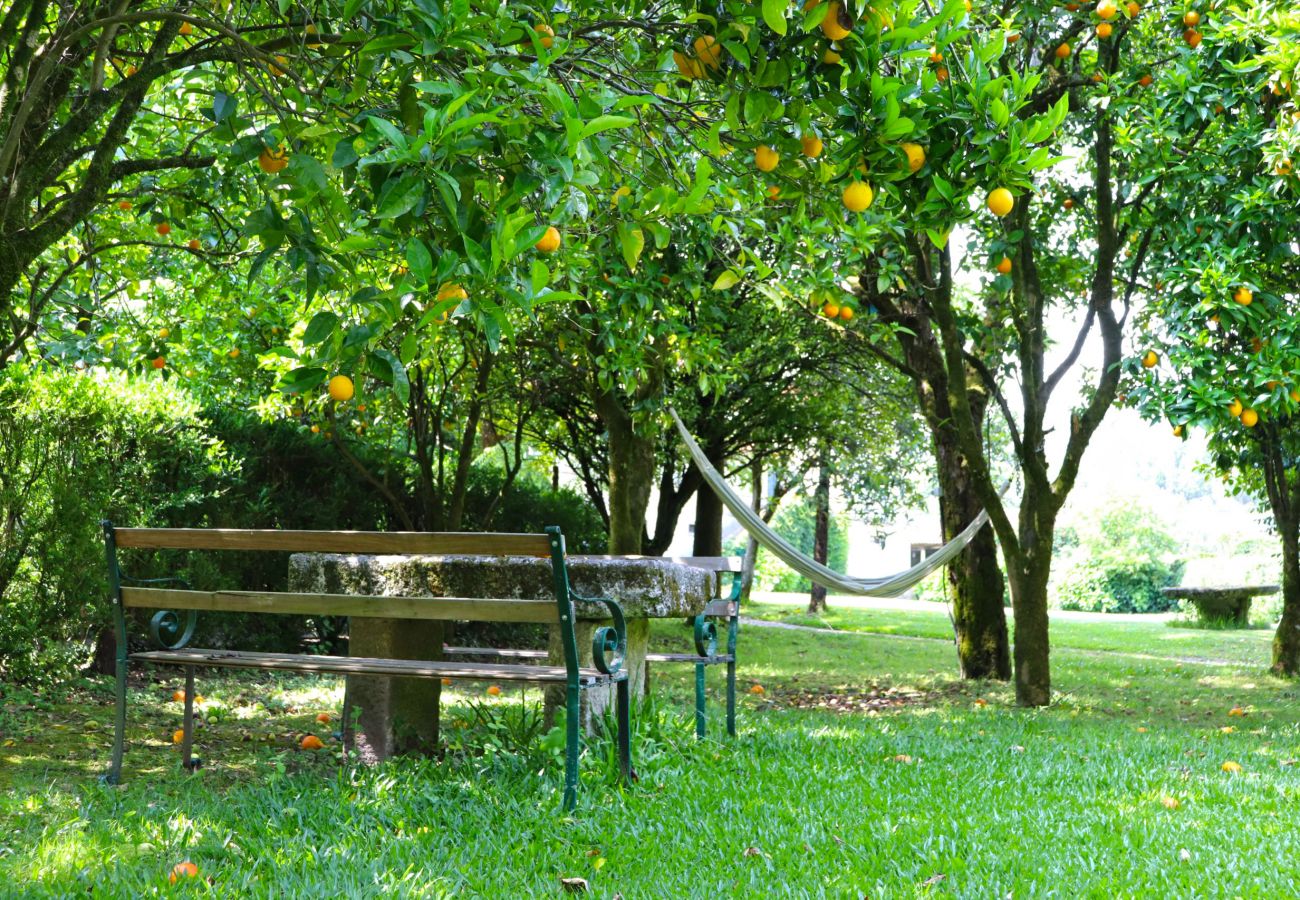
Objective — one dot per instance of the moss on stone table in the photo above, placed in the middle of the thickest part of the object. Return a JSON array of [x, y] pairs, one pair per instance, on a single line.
[[397, 714], [1229, 604]]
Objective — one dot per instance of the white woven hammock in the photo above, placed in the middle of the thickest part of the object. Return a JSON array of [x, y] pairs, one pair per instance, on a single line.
[[889, 586]]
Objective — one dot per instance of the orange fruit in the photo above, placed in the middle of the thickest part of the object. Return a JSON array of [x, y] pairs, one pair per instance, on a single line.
[[830, 310], [708, 50], [1235, 407], [494, 691], [1146, 80], [124, 205], [177, 696], [194, 244], [546, 35], [846, 313], [941, 73], [915, 156], [935, 55], [1231, 767], [186, 29], [1004, 265], [131, 70], [234, 353], [1063, 51], [178, 735], [452, 291], [273, 161], [181, 870], [549, 242], [1244, 295], [312, 31], [164, 333], [1178, 431], [1170, 802], [323, 718], [1295, 396], [773, 192], [1000, 201], [1249, 418], [199, 699], [1134, 8], [446, 682], [687, 67], [341, 388], [163, 229], [1191, 18], [1193, 38], [311, 742], [1150, 359], [1067, 203], [158, 363], [811, 145], [315, 429], [1013, 37], [1106, 9], [1104, 30], [858, 196], [765, 158], [837, 25], [757, 689], [1236, 711], [279, 67], [830, 57]]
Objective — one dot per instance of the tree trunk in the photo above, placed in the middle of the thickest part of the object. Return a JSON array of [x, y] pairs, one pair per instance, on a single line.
[[1286, 641], [631, 474], [1028, 571], [974, 578], [821, 529], [708, 512]]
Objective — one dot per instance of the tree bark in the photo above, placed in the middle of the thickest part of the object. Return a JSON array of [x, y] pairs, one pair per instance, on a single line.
[[1286, 640], [708, 511], [821, 529], [631, 474], [1028, 569], [974, 578]]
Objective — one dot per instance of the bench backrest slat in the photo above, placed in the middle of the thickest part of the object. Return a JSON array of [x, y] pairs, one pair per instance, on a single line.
[[431, 608], [378, 542]]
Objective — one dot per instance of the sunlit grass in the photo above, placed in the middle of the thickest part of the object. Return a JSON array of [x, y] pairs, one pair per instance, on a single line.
[[958, 783]]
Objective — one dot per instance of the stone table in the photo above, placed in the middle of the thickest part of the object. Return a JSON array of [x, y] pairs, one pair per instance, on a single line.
[[1222, 604], [401, 714]]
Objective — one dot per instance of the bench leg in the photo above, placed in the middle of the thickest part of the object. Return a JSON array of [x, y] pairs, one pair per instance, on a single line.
[[572, 746], [699, 701], [731, 697], [188, 762], [114, 775], [624, 712]]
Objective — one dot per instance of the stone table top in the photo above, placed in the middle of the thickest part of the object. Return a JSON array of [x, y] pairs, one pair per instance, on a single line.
[[646, 587], [1238, 591]]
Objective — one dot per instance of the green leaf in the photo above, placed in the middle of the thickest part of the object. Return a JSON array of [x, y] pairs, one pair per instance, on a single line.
[[632, 240], [774, 15], [321, 326], [302, 379], [727, 280], [419, 260], [400, 381], [605, 123]]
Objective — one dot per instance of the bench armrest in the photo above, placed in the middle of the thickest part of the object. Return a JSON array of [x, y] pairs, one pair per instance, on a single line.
[[166, 626], [608, 639]]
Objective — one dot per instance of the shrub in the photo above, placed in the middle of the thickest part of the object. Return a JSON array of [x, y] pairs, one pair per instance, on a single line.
[[531, 504], [796, 523], [74, 449]]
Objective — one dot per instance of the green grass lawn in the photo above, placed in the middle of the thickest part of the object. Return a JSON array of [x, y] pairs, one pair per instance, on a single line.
[[1153, 635], [864, 768]]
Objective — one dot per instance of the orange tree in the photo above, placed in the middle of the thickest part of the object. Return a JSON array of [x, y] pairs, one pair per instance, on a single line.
[[1222, 349], [999, 98]]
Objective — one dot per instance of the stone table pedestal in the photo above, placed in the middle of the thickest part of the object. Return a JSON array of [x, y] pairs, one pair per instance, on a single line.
[[1228, 605], [398, 715]]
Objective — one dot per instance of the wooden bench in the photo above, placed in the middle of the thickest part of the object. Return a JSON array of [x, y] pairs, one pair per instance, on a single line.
[[725, 607], [172, 633]]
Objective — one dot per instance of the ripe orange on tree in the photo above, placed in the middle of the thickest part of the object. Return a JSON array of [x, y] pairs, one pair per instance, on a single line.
[[941, 73], [124, 204], [1193, 38], [1235, 408], [546, 35], [1249, 418], [1068, 203], [1062, 51], [1146, 80], [273, 161], [163, 229], [194, 244], [1004, 265], [830, 310], [1000, 201], [765, 158], [186, 29], [341, 389], [708, 51], [1104, 30], [811, 146], [837, 25], [1134, 8], [1013, 37], [1150, 359], [1191, 18], [1106, 9], [857, 196], [549, 242], [279, 67], [452, 291], [846, 313], [915, 156], [1244, 295], [234, 353]]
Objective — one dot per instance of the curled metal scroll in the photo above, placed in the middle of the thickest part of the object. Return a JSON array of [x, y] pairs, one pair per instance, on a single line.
[[606, 640], [167, 631], [706, 636]]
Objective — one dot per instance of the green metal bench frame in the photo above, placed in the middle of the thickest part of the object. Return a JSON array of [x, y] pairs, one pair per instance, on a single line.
[[705, 629], [172, 633]]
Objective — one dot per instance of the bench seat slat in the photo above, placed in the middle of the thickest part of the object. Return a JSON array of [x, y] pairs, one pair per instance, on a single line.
[[379, 542], [711, 563], [428, 608], [363, 665], [510, 653]]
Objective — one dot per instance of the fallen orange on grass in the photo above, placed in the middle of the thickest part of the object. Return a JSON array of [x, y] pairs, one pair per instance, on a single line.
[[494, 691], [311, 742], [1231, 767], [757, 689], [1236, 711], [181, 870], [1170, 802], [323, 718], [178, 735]]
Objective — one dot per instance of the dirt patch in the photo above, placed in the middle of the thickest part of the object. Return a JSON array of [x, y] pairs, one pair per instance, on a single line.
[[866, 699]]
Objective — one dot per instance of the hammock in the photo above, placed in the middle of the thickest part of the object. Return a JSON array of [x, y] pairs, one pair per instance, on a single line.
[[890, 586]]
